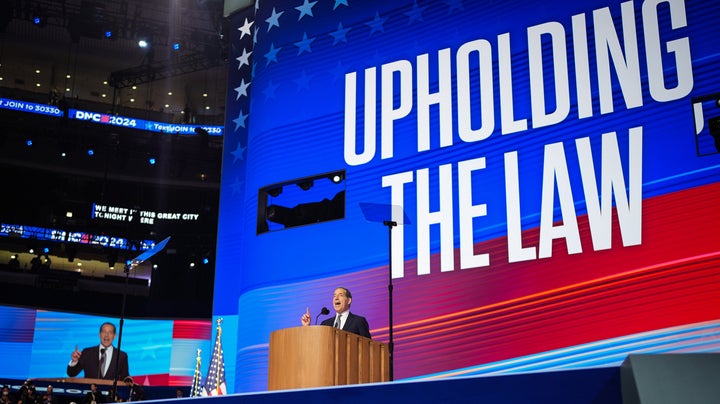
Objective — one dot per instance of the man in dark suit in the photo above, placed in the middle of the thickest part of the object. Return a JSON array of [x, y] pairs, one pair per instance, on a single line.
[[342, 298], [136, 391], [100, 362], [49, 396], [94, 396]]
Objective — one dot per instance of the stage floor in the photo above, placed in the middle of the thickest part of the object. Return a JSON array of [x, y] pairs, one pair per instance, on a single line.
[[597, 386]]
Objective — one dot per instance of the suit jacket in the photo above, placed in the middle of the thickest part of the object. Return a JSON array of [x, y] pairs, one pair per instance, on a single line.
[[137, 393], [51, 399], [354, 324], [90, 363], [97, 397]]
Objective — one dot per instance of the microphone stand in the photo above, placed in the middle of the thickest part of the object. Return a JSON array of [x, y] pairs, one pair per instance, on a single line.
[[379, 213], [122, 321], [390, 224], [128, 267], [323, 312]]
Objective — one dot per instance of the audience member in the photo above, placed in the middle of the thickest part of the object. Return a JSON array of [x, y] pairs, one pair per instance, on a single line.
[[29, 396], [36, 263], [14, 263], [137, 393], [94, 396], [113, 398], [7, 397], [49, 396]]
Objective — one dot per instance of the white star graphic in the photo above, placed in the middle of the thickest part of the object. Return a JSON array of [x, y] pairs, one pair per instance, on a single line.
[[240, 120], [271, 55], [273, 20], [376, 24], [340, 2], [245, 29], [149, 349], [340, 34], [244, 59], [304, 45], [242, 89], [305, 9], [238, 153]]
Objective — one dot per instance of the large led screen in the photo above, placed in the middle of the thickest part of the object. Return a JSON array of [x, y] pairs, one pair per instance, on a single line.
[[552, 168], [38, 344]]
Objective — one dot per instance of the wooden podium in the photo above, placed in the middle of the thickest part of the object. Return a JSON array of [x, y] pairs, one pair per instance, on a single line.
[[317, 356]]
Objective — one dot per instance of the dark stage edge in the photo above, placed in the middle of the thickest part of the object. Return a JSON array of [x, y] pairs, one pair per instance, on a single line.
[[595, 385]]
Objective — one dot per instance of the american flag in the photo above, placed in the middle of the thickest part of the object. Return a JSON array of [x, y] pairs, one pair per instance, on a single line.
[[195, 391], [215, 380]]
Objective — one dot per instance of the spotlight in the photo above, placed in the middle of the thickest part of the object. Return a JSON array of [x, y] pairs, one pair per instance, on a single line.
[[280, 214], [305, 185], [108, 34], [337, 177], [46, 250], [176, 46], [152, 161], [205, 261], [91, 152], [143, 43], [39, 20], [192, 265], [29, 142], [275, 191], [38, 16]]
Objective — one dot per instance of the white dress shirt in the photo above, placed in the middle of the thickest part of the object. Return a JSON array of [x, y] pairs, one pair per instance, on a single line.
[[343, 318]]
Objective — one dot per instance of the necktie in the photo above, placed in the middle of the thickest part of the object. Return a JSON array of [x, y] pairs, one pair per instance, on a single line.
[[101, 368], [337, 321]]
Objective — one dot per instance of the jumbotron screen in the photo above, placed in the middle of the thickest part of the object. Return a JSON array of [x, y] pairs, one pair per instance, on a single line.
[[161, 352], [555, 169]]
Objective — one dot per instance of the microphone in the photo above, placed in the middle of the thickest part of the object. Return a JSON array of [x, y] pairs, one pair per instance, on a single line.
[[323, 312]]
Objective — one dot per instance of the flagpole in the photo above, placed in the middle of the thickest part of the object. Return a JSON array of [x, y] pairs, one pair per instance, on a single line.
[[220, 358], [197, 376], [215, 380]]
